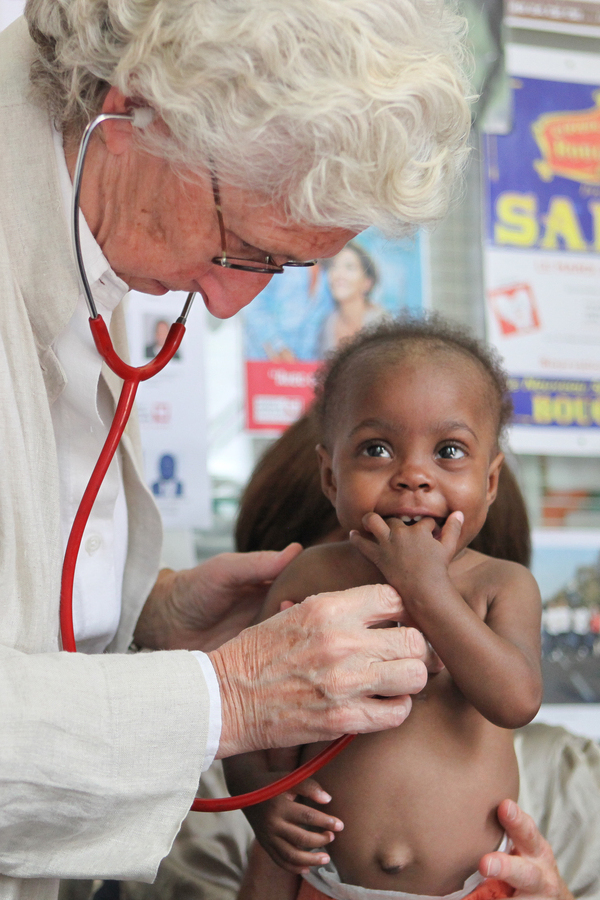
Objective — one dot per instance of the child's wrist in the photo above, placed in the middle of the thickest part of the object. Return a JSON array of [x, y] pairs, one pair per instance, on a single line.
[[424, 591]]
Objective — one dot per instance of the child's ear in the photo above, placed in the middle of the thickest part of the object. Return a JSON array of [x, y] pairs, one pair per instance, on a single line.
[[328, 485], [493, 477]]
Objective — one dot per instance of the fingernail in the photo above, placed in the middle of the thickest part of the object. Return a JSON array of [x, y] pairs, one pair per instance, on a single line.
[[511, 811], [460, 517], [323, 797], [338, 826], [323, 860], [493, 868]]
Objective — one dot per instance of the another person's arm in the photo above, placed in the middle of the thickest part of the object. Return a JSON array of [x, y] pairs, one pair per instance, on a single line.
[[531, 868]]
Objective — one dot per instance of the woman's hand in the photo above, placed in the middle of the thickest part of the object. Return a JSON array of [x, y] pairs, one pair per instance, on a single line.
[[289, 830], [203, 607], [319, 670], [530, 868]]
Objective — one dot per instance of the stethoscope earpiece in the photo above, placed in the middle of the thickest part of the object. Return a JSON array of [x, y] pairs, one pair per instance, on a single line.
[[142, 116]]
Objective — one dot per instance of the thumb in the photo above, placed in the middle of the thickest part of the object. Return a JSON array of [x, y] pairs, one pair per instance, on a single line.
[[263, 565], [451, 532]]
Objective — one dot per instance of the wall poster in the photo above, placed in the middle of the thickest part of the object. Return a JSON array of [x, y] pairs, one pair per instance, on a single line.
[[566, 565], [172, 410], [542, 253], [303, 314]]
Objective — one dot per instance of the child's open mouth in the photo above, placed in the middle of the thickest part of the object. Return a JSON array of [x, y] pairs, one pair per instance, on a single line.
[[412, 520]]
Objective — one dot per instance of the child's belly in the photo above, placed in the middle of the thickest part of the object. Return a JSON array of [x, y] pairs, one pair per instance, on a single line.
[[419, 802]]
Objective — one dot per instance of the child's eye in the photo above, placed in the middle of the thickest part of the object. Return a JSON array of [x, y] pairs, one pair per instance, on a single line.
[[451, 451], [378, 451]]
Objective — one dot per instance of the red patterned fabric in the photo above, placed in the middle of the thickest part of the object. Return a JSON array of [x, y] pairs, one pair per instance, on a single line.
[[490, 889]]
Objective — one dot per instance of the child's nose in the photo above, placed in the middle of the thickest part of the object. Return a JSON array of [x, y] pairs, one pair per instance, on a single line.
[[412, 476]]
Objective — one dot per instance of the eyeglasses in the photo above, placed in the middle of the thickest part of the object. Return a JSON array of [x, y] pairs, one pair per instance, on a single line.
[[259, 267]]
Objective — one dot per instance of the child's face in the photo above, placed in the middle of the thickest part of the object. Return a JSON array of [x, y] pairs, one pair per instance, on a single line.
[[417, 440]]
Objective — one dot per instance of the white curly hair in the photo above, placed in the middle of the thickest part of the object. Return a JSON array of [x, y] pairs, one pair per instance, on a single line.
[[349, 113]]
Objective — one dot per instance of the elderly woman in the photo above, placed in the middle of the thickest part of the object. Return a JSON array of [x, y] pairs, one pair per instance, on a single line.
[[275, 132]]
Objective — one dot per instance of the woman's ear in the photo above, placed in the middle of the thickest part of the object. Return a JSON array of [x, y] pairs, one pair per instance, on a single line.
[[493, 477], [117, 132], [328, 484]]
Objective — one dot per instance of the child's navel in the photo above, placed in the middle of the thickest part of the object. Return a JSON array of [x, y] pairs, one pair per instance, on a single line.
[[393, 861]]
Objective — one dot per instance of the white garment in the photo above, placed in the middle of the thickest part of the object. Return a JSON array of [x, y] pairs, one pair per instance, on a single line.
[[100, 754], [327, 880]]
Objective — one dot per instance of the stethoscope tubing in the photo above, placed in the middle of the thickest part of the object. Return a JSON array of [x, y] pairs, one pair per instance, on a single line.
[[132, 376]]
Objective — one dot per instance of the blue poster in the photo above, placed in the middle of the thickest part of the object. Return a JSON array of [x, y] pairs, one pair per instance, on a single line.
[[303, 314], [543, 178]]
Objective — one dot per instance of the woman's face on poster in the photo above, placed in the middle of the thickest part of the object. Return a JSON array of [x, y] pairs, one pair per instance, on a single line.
[[347, 278]]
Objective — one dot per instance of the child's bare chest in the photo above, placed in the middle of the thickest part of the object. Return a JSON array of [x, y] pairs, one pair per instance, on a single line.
[[418, 801]]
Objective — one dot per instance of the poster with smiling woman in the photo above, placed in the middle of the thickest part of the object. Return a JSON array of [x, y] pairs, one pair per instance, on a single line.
[[304, 314]]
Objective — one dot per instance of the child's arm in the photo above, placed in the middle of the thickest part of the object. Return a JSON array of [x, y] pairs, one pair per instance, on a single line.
[[286, 828], [495, 662], [263, 879]]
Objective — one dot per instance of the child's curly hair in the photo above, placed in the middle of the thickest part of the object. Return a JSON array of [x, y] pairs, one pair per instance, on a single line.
[[392, 340]]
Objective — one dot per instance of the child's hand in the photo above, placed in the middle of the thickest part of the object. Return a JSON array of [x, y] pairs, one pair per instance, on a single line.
[[289, 830], [408, 554]]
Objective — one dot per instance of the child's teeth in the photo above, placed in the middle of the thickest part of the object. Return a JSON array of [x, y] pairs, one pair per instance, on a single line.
[[407, 519], [417, 518]]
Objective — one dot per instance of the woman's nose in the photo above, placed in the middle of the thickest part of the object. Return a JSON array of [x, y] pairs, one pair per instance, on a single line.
[[229, 290]]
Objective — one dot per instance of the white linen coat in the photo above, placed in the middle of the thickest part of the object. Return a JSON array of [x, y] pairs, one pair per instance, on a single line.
[[99, 755]]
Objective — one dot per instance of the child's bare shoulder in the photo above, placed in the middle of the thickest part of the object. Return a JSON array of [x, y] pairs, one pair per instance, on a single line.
[[327, 567], [498, 578]]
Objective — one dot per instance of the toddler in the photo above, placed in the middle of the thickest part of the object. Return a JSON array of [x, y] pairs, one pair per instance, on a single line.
[[411, 416]]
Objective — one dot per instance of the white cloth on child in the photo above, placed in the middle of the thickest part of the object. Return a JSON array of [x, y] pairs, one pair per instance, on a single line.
[[327, 880]]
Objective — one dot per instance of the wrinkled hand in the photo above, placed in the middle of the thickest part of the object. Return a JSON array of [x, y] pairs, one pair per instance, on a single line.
[[406, 555], [203, 607], [318, 670], [289, 830], [531, 867]]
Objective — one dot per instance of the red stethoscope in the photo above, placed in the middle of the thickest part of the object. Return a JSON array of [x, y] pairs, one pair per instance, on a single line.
[[132, 376]]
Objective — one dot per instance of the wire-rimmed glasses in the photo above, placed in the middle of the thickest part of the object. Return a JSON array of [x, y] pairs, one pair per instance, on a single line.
[[259, 267]]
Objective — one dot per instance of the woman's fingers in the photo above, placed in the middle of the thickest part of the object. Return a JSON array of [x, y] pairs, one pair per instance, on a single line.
[[316, 671]]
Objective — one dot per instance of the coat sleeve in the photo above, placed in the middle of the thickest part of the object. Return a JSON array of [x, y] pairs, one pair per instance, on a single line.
[[100, 758], [560, 789]]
